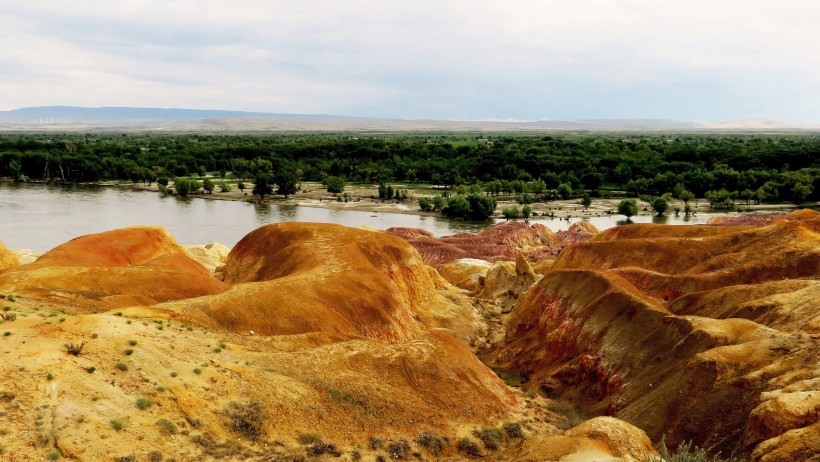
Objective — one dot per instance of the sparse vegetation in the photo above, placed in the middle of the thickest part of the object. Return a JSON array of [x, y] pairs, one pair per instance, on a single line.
[[117, 424], [469, 447], [74, 348], [144, 403], [490, 437], [122, 366], [90, 369], [376, 443], [398, 450], [687, 452], [432, 442], [513, 430], [570, 413], [166, 427], [132, 342], [247, 419]]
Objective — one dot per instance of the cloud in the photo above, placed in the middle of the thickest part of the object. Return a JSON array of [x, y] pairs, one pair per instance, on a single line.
[[458, 59]]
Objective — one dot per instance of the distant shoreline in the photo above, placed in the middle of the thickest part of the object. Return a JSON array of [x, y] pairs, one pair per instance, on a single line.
[[361, 199]]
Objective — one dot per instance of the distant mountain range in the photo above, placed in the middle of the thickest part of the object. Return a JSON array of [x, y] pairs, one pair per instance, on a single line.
[[70, 118]]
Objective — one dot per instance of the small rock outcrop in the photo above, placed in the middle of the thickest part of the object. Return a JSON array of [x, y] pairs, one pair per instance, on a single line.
[[8, 258]]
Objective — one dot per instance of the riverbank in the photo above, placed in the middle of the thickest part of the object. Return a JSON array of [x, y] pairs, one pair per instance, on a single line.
[[363, 198]]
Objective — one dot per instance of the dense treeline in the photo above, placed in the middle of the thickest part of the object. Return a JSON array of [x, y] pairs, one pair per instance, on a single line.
[[746, 166]]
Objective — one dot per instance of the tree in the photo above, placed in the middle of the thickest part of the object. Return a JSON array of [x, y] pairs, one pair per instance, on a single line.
[[526, 212], [481, 207], [425, 205], [686, 196], [162, 181], [511, 212], [660, 205], [241, 186], [224, 187], [208, 185], [457, 207], [286, 180], [335, 184], [800, 192], [438, 203], [564, 190], [586, 201], [628, 208], [262, 186], [182, 186]]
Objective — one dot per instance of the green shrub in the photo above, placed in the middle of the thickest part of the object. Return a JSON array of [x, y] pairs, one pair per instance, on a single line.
[[122, 366], [117, 424], [144, 403], [513, 430], [166, 427]]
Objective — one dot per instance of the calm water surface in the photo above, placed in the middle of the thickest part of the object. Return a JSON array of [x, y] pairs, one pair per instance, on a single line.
[[40, 217]]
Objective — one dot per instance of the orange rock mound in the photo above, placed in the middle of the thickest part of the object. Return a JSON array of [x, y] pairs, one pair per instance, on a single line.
[[124, 267], [643, 322], [293, 278]]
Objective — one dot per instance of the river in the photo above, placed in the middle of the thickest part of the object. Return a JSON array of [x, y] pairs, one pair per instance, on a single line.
[[40, 217]]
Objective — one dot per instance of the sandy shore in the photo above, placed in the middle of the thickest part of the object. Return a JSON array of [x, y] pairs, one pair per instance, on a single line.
[[365, 199]]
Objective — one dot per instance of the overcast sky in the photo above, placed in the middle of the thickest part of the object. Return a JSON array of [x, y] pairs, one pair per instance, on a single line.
[[707, 60]]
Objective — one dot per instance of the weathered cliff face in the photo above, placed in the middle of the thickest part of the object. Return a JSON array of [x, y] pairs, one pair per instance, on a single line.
[[125, 267], [498, 242], [645, 322], [7, 258]]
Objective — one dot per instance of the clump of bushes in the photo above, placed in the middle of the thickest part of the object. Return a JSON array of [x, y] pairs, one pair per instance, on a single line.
[[513, 430], [490, 437], [432, 442], [247, 419], [469, 447], [166, 427], [686, 452], [144, 403]]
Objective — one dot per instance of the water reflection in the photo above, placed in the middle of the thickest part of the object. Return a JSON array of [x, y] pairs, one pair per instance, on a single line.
[[40, 217]]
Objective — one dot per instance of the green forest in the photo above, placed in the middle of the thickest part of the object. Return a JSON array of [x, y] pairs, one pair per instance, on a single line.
[[751, 167]]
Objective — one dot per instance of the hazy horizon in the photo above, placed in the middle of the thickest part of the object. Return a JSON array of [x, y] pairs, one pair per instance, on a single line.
[[459, 60]]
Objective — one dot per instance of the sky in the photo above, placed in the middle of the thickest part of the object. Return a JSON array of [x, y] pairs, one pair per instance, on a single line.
[[705, 60]]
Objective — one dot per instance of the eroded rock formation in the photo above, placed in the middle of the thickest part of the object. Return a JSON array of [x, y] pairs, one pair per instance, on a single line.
[[646, 322], [498, 242], [124, 267]]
